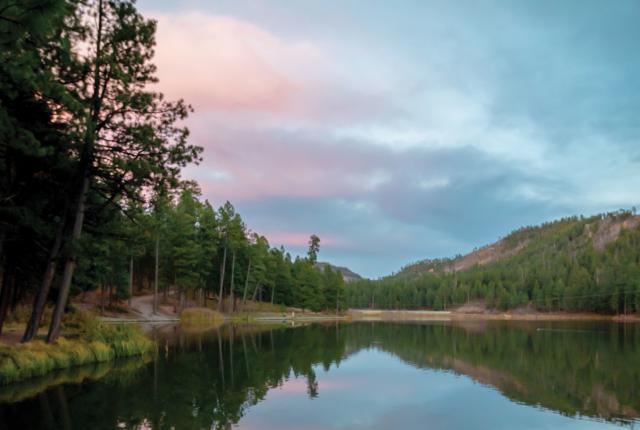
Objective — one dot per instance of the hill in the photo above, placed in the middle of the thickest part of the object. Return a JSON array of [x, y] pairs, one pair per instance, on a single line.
[[347, 274], [575, 263], [598, 231]]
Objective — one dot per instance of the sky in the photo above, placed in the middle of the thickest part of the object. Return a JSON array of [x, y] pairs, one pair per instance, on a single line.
[[399, 131]]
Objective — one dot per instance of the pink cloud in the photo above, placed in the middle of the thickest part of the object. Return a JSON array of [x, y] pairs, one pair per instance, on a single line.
[[250, 163], [226, 65], [222, 63], [286, 238]]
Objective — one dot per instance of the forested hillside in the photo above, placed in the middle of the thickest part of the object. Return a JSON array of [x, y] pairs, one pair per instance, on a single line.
[[347, 274], [574, 264]]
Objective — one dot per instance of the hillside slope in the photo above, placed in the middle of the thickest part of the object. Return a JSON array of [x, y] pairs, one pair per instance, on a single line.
[[347, 274], [598, 231], [576, 263]]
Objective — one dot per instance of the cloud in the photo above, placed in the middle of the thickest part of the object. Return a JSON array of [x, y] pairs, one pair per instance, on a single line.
[[221, 63], [420, 139], [227, 65]]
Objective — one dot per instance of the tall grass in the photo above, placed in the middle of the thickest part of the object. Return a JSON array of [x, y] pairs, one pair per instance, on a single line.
[[86, 341], [201, 316]]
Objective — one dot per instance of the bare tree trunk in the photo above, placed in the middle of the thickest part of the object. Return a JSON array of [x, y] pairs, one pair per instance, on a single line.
[[221, 289], [155, 280], [101, 299], [41, 297], [273, 292], [8, 283], [130, 279], [246, 284], [233, 267], [70, 264], [2, 235], [255, 291]]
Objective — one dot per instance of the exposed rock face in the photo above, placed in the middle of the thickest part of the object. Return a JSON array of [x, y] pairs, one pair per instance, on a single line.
[[347, 275], [609, 229]]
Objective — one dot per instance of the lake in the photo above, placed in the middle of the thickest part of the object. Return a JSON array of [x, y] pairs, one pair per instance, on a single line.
[[382, 375]]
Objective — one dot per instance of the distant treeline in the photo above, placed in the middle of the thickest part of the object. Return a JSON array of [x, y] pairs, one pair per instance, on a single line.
[[559, 268], [90, 188]]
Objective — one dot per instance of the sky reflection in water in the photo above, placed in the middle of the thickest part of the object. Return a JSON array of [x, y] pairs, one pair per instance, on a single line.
[[487, 375]]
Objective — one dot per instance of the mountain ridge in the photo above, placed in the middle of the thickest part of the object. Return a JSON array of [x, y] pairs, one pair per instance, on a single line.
[[609, 227], [585, 264]]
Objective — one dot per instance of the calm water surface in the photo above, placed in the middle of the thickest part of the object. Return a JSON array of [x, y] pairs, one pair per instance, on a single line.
[[485, 375]]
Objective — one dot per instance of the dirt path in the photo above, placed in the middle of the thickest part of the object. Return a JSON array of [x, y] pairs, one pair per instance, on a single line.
[[142, 310]]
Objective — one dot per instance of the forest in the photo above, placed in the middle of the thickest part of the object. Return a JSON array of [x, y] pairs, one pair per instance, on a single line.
[[90, 177], [558, 266]]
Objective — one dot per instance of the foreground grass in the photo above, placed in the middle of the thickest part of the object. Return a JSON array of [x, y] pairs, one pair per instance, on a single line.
[[86, 341]]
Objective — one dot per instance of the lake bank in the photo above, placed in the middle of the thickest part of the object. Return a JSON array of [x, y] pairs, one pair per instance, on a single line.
[[427, 315], [89, 342]]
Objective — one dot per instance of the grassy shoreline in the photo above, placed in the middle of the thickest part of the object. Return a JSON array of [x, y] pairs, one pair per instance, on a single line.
[[86, 341], [413, 315]]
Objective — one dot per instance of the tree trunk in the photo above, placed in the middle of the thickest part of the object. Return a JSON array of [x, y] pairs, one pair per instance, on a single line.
[[221, 290], [2, 235], [86, 161], [273, 292], [8, 283], [41, 298], [155, 280], [232, 295], [246, 284], [101, 299], [130, 279], [255, 292], [70, 264]]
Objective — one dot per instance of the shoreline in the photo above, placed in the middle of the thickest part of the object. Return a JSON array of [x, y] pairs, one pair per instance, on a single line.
[[98, 343], [415, 315]]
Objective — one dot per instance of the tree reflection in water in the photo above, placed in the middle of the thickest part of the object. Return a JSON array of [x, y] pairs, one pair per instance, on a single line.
[[210, 379]]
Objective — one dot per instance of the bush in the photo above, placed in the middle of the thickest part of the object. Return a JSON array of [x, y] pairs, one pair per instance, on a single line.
[[201, 316]]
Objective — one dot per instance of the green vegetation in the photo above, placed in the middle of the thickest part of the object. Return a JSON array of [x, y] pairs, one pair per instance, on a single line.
[[561, 366], [574, 264], [201, 316], [90, 185], [112, 370], [583, 368], [88, 342]]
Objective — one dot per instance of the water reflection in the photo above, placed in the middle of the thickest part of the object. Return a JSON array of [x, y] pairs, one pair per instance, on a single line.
[[361, 375]]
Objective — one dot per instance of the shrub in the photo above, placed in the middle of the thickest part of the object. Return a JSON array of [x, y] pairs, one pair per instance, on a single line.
[[201, 316]]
